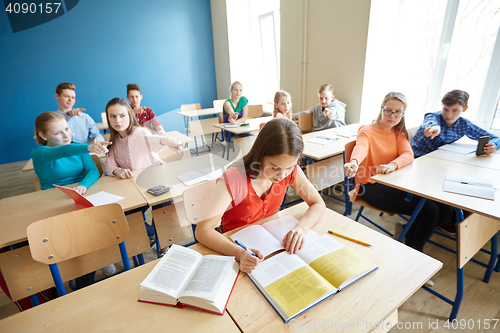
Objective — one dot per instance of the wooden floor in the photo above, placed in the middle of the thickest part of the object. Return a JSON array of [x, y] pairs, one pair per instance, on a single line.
[[422, 312]]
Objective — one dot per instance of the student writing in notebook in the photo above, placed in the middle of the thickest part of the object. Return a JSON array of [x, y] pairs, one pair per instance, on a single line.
[[57, 161], [282, 105], [144, 115], [382, 148], [254, 188], [447, 126], [328, 113]]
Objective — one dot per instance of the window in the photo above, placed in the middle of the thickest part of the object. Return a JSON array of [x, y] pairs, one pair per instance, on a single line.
[[427, 48]]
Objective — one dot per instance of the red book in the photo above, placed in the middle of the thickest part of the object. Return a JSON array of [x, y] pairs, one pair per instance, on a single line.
[[77, 197]]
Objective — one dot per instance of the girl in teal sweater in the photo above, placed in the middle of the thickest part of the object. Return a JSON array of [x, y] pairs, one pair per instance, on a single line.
[[56, 161]]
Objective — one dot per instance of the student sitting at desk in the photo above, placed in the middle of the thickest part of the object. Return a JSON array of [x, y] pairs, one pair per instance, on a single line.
[[83, 127], [254, 188], [381, 148], [282, 105], [56, 161], [145, 116], [133, 147], [328, 113], [447, 126], [235, 108]]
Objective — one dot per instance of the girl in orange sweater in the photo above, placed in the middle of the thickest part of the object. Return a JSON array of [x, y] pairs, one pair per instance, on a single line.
[[381, 148]]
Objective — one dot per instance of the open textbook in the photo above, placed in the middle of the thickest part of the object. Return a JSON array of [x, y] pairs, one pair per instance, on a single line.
[[268, 237], [293, 283], [97, 199], [186, 277], [194, 177], [469, 185]]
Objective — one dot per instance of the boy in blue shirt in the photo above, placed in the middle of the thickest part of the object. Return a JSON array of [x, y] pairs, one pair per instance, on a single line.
[[447, 126], [83, 127]]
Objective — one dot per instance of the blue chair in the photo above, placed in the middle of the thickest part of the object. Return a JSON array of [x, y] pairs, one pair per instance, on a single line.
[[76, 233]]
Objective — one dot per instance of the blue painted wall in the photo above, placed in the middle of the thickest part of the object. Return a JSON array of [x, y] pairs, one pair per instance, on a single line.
[[166, 46]]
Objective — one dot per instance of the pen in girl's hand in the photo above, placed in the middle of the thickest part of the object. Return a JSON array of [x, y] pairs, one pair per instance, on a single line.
[[246, 248]]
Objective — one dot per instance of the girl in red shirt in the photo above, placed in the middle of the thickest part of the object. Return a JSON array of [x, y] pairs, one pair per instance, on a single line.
[[255, 187]]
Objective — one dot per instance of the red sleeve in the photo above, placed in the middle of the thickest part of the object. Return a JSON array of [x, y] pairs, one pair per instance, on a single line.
[[236, 183]]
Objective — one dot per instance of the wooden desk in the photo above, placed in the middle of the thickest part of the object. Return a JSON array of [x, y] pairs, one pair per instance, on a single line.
[[111, 306], [199, 113], [376, 297], [425, 177], [320, 152], [20, 211], [254, 124], [166, 174], [491, 161]]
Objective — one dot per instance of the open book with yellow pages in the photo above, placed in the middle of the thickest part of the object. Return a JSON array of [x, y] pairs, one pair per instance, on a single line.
[[293, 283], [184, 277]]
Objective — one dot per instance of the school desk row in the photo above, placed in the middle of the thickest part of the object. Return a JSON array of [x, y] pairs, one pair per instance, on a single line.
[[371, 305]]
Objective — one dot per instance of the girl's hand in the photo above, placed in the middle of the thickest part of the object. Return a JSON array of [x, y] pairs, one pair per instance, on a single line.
[[489, 148], [172, 143], [247, 261], [161, 131], [123, 173], [80, 189], [294, 240], [432, 131], [386, 168], [75, 112], [99, 147], [232, 121], [350, 169]]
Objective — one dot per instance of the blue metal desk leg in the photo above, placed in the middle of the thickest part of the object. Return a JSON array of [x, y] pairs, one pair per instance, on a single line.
[[460, 276], [412, 218], [34, 300]]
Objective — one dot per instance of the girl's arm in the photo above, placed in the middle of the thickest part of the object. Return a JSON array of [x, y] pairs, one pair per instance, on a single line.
[[46, 154], [405, 156], [228, 109], [158, 142], [111, 164], [243, 117], [295, 238], [208, 236], [91, 173]]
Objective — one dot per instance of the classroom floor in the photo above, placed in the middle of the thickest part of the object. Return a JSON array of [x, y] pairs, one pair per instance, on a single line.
[[422, 312]]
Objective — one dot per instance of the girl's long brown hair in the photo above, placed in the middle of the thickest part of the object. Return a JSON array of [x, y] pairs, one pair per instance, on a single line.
[[278, 137]]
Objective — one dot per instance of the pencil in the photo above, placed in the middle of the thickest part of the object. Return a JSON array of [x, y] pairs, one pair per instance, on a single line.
[[349, 238]]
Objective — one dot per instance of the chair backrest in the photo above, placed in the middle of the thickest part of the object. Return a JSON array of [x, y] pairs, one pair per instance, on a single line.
[[106, 136], [411, 132], [190, 107], [218, 103], [306, 122], [255, 111], [348, 150], [245, 143], [104, 119], [76, 233], [203, 126], [196, 199], [98, 163], [168, 155]]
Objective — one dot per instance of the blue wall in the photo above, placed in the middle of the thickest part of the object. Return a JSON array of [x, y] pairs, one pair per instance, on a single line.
[[166, 46]]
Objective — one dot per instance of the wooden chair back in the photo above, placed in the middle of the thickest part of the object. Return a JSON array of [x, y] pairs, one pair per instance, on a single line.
[[218, 103], [306, 122], [245, 143], [104, 118], [348, 150], [203, 126], [190, 107], [196, 199], [37, 183], [255, 111], [76, 233], [411, 132], [98, 163]]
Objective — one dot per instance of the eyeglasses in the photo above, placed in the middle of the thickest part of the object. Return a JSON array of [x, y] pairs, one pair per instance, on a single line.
[[389, 113]]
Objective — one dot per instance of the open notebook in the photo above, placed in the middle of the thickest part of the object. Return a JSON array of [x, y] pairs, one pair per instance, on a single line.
[[194, 177], [323, 138], [469, 185], [97, 199]]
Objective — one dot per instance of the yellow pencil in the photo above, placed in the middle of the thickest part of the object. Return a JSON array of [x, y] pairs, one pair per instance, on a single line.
[[349, 238]]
